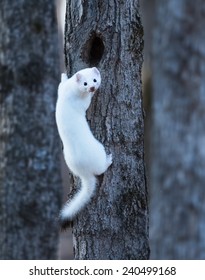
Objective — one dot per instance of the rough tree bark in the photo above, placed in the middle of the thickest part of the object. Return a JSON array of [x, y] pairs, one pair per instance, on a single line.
[[177, 177], [29, 168], [109, 35]]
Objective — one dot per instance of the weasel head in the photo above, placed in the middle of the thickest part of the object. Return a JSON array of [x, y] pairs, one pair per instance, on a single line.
[[88, 80]]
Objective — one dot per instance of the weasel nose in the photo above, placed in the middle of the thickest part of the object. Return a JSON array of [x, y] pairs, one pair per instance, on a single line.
[[92, 89]]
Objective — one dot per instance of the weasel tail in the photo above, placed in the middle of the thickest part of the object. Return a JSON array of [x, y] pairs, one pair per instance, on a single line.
[[78, 202]]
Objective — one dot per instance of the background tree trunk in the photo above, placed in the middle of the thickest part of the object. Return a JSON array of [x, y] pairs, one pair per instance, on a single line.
[[109, 35], [178, 161], [29, 168]]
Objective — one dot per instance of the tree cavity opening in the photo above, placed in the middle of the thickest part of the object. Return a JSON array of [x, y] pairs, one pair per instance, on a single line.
[[93, 50]]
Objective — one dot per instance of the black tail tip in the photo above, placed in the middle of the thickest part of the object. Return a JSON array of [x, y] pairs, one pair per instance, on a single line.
[[65, 224]]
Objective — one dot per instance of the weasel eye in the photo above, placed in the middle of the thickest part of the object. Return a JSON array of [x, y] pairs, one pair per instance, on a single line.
[[94, 80], [85, 84]]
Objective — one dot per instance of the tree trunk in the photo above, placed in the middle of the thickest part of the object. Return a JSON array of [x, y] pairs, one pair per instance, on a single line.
[[30, 191], [109, 35], [178, 161]]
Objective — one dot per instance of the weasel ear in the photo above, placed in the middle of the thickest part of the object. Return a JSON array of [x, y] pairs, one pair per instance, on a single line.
[[96, 71], [78, 77]]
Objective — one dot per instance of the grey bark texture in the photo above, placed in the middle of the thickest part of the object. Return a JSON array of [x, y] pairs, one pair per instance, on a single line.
[[109, 35], [178, 162], [30, 192]]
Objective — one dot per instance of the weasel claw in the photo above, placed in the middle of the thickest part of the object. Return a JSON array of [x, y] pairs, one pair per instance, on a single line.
[[109, 160]]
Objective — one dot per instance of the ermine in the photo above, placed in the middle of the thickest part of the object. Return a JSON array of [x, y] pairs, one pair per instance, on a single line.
[[85, 156]]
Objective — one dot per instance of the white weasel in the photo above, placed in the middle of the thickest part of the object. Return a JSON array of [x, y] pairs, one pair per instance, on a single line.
[[84, 155]]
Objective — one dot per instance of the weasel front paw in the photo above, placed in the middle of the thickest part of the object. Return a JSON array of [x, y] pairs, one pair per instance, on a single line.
[[63, 77], [109, 160]]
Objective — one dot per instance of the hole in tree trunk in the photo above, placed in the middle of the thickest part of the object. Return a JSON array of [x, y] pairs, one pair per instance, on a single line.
[[93, 50]]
